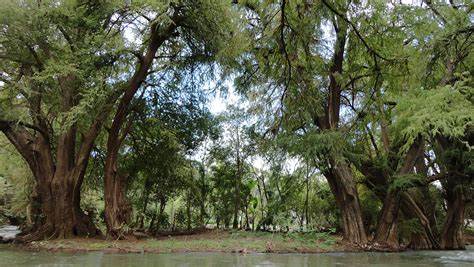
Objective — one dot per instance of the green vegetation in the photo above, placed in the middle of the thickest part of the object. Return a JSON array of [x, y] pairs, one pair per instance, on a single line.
[[342, 118], [214, 241]]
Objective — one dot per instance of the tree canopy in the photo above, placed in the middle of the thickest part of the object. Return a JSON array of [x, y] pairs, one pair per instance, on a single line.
[[353, 117]]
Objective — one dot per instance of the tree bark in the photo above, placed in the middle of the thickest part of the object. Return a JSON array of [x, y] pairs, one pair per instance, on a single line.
[[118, 208], [306, 200], [58, 179], [202, 205], [60, 206], [342, 185], [387, 227], [456, 188], [238, 181], [188, 211], [452, 236], [64, 216]]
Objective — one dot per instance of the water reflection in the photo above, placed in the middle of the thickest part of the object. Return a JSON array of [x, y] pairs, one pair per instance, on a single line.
[[14, 257]]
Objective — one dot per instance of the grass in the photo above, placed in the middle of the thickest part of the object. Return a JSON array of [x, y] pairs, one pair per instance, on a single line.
[[470, 230], [209, 241]]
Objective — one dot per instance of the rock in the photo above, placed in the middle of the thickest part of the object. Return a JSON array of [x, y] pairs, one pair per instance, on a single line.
[[243, 251]]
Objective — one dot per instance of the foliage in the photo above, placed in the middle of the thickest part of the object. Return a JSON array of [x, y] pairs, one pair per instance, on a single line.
[[341, 103], [448, 110], [16, 184]]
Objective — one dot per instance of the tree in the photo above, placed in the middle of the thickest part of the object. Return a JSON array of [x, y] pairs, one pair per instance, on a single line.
[[177, 32], [304, 96], [168, 125], [393, 125], [59, 61]]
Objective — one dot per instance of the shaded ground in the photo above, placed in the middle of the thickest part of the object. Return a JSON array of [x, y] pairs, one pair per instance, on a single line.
[[208, 241]]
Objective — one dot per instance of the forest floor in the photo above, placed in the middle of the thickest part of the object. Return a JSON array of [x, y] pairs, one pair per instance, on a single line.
[[207, 241]]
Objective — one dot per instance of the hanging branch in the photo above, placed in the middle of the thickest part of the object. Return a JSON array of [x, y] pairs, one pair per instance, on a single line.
[[435, 11], [288, 61], [370, 49], [283, 43]]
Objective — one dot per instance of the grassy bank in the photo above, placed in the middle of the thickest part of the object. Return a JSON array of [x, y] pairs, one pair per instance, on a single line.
[[210, 241]]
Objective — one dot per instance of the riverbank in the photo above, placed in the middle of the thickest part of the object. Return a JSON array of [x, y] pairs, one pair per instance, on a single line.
[[208, 241]]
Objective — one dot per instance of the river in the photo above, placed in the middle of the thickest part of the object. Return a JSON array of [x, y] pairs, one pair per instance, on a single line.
[[15, 257]]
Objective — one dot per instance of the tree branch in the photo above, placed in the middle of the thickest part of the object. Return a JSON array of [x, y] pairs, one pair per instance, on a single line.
[[5, 124], [370, 49], [435, 11]]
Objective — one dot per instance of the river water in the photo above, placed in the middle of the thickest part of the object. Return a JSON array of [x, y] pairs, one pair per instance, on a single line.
[[15, 257], [8, 231]]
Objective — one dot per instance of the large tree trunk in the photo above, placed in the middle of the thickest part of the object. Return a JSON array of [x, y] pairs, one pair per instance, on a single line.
[[452, 235], [60, 207], [456, 188], [63, 216], [387, 228], [58, 181], [342, 185], [427, 202], [420, 241], [410, 207], [117, 207]]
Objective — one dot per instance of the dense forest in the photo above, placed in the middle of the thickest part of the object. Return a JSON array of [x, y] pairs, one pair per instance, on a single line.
[[352, 117]]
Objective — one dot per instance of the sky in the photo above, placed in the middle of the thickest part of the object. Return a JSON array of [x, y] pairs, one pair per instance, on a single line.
[[219, 103]]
